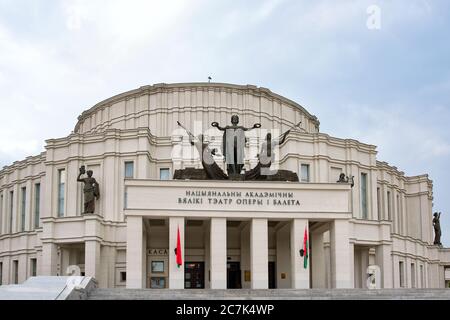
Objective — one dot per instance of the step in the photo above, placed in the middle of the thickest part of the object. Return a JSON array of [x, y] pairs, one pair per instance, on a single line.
[[312, 294]]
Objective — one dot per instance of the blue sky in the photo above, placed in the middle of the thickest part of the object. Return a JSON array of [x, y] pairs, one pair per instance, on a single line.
[[389, 86]]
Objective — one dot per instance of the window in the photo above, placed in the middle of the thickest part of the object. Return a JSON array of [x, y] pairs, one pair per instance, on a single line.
[[399, 214], [379, 204], [158, 283], [413, 275], [164, 174], [33, 263], [157, 266], [11, 210], [422, 280], [129, 169], [401, 274], [23, 205], [1, 213], [123, 276], [364, 195], [16, 271], [61, 190], [37, 204], [389, 205], [304, 173], [1, 273]]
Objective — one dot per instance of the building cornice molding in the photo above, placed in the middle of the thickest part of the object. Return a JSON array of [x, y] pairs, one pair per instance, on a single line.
[[23, 164]]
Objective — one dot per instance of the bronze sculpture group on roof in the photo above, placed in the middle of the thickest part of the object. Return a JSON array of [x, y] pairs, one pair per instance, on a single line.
[[233, 146]]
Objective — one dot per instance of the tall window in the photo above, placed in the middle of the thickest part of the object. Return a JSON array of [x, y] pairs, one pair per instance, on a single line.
[[61, 191], [23, 205], [16, 271], [401, 274], [399, 214], [413, 275], [129, 169], [379, 204], [364, 195], [164, 174], [1, 273], [304, 173], [389, 205], [37, 204], [1, 213], [33, 267], [422, 279], [11, 211]]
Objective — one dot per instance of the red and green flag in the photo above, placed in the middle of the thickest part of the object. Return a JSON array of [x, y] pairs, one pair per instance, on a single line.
[[178, 253], [305, 249]]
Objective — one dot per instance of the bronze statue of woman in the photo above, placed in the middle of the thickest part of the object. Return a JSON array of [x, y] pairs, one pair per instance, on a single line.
[[437, 228], [91, 190]]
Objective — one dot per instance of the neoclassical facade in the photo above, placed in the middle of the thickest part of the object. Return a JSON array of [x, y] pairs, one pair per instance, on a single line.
[[233, 234]]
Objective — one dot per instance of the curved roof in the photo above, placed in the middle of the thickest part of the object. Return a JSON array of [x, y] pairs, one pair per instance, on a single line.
[[161, 87]]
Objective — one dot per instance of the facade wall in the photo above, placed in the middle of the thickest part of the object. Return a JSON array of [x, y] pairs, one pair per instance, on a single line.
[[140, 127]]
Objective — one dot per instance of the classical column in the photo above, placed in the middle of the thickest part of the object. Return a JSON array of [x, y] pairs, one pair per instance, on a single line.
[[218, 253], [364, 254], [6, 271], [259, 254], [318, 260], [176, 273], [341, 271], [135, 253], [283, 266], [299, 274], [49, 259], [352, 264], [384, 261], [92, 258], [64, 260]]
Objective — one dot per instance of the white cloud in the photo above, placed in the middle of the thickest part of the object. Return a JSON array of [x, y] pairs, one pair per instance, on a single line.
[[398, 134], [121, 23]]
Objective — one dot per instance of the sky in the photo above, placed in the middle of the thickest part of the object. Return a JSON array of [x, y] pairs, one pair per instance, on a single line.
[[374, 71]]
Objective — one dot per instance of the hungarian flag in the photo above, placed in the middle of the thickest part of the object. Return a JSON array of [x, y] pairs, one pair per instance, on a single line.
[[178, 253], [305, 249]]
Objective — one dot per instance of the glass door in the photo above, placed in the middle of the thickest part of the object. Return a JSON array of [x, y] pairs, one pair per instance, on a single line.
[[194, 275]]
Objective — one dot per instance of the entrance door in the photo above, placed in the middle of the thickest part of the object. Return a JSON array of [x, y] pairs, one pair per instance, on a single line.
[[234, 275], [194, 275], [272, 274]]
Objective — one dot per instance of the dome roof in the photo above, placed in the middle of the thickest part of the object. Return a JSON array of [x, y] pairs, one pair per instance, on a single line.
[[193, 87]]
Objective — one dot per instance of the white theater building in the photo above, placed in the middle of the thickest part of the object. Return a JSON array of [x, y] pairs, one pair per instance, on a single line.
[[234, 234]]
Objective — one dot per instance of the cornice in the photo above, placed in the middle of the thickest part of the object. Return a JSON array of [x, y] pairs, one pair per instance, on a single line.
[[32, 160]]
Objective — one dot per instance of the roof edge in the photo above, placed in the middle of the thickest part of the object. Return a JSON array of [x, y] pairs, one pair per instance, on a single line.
[[162, 86]]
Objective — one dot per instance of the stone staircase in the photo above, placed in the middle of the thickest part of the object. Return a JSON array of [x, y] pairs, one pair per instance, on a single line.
[[49, 288], [278, 294]]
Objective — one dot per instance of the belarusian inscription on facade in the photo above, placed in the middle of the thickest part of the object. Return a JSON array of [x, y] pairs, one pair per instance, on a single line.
[[239, 198]]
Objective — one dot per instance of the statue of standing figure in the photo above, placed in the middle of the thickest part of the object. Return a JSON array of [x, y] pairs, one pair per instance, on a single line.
[[91, 190], [437, 228], [234, 144]]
